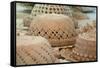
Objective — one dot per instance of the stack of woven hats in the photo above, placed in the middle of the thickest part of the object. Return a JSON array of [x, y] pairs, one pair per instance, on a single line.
[[54, 23], [58, 29]]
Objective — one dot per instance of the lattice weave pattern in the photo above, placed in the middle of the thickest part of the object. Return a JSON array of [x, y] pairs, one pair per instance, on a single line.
[[36, 52], [49, 9], [40, 9], [58, 29]]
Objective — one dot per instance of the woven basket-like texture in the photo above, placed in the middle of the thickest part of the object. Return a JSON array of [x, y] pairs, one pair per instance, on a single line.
[[58, 29], [86, 47], [33, 50], [39, 9], [84, 50]]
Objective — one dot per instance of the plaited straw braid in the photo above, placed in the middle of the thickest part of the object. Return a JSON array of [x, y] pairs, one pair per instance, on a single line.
[[84, 50], [40, 9], [32, 50], [58, 29], [72, 56], [82, 57]]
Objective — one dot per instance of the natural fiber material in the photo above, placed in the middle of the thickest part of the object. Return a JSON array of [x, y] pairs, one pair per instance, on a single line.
[[40, 9], [85, 47], [84, 50], [58, 29], [33, 50]]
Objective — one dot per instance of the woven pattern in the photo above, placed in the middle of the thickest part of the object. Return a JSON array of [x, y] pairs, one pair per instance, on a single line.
[[84, 50], [40, 9], [58, 29], [49, 9], [86, 46], [32, 50]]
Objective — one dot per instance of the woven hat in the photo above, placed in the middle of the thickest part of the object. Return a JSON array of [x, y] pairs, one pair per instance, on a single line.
[[57, 28], [86, 47], [33, 50], [40, 9], [84, 50]]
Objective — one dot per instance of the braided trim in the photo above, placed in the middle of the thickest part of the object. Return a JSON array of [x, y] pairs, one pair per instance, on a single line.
[[82, 57], [71, 55]]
